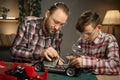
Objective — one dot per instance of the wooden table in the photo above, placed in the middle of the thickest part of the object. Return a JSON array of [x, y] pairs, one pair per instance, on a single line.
[[108, 77]]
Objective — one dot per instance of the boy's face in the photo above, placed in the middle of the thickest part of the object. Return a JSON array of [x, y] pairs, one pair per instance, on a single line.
[[90, 33]]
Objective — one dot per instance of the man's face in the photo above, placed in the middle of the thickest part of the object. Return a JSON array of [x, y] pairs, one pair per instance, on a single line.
[[55, 21], [90, 33]]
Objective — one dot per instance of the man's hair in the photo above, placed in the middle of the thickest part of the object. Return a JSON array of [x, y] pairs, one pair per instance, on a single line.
[[59, 5], [87, 18]]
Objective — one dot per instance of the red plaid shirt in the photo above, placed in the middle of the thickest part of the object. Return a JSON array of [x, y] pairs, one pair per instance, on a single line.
[[102, 55], [30, 39]]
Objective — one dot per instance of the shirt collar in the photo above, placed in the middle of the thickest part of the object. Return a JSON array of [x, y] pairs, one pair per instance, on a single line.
[[99, 38]]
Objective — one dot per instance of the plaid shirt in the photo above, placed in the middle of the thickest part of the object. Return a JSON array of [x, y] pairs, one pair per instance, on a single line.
[[30, 39], [102, 54]]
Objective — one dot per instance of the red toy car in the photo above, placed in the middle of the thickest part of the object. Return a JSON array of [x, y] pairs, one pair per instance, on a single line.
[[20, 72]]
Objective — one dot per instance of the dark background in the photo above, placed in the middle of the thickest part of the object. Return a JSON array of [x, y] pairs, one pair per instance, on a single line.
[[76, 8]]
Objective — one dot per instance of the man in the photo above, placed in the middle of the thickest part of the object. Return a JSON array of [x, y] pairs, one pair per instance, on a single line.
[[100, 49], [41, 37]]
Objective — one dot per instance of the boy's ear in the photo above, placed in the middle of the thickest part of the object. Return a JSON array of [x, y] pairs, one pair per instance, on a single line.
[[99, 26]]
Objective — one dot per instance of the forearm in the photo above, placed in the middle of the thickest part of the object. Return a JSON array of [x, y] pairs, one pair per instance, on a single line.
[[21, 52], [101, 66], [105, 66], [27, 53]]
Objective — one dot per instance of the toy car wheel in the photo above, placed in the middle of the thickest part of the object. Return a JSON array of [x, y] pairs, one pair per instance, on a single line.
[[38, 67], [70, 71]]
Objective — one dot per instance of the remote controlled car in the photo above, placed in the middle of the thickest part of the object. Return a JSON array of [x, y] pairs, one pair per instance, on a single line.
[[52, 66]]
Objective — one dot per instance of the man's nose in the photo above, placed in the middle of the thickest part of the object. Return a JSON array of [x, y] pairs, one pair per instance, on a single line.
[[57, 27], [86, 37]]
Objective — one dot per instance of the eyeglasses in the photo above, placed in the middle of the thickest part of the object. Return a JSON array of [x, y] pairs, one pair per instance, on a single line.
[[89, 34], [56, 22]]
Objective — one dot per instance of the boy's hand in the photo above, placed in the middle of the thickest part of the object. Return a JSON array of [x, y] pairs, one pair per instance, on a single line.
[[71, 57]]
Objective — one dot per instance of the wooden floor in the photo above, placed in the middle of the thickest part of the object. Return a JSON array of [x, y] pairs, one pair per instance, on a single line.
[[108, 77]]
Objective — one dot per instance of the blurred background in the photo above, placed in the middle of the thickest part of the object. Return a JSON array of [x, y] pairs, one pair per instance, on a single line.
[[70, 35]]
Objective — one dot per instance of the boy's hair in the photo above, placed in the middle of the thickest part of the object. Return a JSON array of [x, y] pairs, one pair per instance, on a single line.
[[87, 18]]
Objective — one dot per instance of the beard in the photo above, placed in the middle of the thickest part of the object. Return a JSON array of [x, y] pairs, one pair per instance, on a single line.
[[48, 29]]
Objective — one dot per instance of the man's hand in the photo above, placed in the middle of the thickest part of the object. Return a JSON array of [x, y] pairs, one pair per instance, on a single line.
[[60, 62], [50, 53]]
